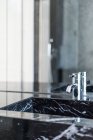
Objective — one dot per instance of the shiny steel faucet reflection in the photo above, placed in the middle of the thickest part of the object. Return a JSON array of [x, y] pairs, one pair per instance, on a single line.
[[79, 85]]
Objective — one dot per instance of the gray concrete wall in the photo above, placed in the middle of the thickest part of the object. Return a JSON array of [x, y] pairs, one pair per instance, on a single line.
[[69, 49], [71, 27], [86, 37], [44, 35], [73, 35]]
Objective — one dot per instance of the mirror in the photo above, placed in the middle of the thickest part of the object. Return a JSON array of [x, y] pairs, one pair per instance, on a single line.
[[66, 30], [72, 31], [42, 42]]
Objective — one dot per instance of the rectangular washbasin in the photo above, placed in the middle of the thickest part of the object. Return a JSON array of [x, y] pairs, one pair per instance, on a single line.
[[83, 109]]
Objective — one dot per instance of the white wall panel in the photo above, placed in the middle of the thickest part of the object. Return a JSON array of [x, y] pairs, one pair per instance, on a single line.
[[28, 43], [14, 13], [2, 43], [16, 43]]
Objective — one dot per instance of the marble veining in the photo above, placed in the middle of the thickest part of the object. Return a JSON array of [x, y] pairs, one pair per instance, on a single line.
[[71, 133], [54, 106], [43, 127], [21, 129]]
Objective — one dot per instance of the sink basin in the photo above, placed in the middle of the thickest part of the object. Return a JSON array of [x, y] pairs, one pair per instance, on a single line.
[[71, 108]]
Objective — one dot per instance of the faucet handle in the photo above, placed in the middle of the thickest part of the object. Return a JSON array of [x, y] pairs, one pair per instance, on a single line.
[[74, 78], [73, 75]]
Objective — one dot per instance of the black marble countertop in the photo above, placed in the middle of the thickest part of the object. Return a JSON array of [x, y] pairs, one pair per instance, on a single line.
[[53, 106], [18, 125], [31, 126]]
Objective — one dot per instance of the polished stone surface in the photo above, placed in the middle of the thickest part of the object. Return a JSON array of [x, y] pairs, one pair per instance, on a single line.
[[31, 126], [53, 106], [35, 116]]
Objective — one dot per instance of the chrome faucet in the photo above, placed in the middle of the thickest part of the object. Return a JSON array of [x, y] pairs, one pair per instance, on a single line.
[[79, 85]]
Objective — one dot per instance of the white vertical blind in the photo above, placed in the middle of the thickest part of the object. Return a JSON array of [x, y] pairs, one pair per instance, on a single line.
[[3, 50], [28, 43], [14, 24], [16, 47], [3, 43], [16, 43]]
